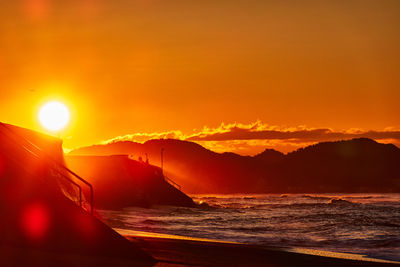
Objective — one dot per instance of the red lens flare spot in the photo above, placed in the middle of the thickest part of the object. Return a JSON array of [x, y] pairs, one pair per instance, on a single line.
[[35, 221]]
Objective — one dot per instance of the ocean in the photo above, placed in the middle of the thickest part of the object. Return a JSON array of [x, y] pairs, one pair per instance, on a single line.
[[367, 224]]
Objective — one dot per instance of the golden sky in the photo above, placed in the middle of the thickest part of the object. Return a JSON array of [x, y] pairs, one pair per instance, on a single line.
[[127, 67]]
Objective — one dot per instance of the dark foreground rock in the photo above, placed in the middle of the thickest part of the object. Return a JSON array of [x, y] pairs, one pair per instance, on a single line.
[[122, 182], [40, 204]]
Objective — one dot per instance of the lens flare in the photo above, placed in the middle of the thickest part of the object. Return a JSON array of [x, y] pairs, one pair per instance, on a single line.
[[35, 221]]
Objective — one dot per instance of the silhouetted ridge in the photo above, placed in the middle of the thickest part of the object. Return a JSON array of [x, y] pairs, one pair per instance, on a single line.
[[357, 165], [270, 155], [345, 147]]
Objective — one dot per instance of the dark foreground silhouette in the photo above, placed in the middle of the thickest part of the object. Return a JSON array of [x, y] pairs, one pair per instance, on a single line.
[[352, 166], [40, 208]]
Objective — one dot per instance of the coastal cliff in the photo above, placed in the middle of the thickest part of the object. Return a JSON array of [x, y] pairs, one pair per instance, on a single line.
[[121, 182]]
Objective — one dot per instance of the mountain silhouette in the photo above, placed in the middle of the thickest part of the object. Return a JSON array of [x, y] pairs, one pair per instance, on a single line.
[[357, 165], [270, 156]]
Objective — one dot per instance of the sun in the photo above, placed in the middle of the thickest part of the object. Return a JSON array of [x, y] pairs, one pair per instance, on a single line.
[[54, 116]]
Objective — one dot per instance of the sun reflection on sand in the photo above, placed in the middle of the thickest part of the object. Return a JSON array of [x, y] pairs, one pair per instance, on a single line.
[[337, 255]]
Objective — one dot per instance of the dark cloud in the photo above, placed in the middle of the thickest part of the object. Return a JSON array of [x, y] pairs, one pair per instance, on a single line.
[[253, 138], [312, 135]]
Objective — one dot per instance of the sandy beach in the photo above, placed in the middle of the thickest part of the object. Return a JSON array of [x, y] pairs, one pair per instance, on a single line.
[[171, 250]]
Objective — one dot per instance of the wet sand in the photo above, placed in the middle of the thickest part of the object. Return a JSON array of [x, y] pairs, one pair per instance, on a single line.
[[172, 250], [20, 257], [176, 251]]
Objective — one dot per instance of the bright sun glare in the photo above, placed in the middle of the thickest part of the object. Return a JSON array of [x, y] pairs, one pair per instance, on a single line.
[[54, 116]]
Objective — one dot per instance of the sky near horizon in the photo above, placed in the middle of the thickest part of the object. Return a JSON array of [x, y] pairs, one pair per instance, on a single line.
[[232, 75]]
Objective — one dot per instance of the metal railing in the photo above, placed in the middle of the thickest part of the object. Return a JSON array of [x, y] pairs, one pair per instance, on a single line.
[[171, 182], [28, 146]]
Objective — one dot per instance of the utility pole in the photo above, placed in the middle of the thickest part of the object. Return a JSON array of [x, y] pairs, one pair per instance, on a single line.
[[162, 161]]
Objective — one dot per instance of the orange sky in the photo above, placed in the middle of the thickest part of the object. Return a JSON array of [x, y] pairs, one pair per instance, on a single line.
[[126, 67]]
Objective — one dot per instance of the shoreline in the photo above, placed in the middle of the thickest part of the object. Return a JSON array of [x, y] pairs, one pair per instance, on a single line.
[[179, 251], [174, 250]]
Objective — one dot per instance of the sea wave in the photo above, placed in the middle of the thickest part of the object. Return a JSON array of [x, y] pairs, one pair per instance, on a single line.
[[154, 222], [316, 197], [340, 201], [355, 223]]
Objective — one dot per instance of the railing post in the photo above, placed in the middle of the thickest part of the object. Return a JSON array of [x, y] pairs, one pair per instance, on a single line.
[[55, 162], [162, 161]]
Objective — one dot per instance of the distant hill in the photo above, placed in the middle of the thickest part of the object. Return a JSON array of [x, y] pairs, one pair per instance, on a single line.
[[270, 156], [358, 165]]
